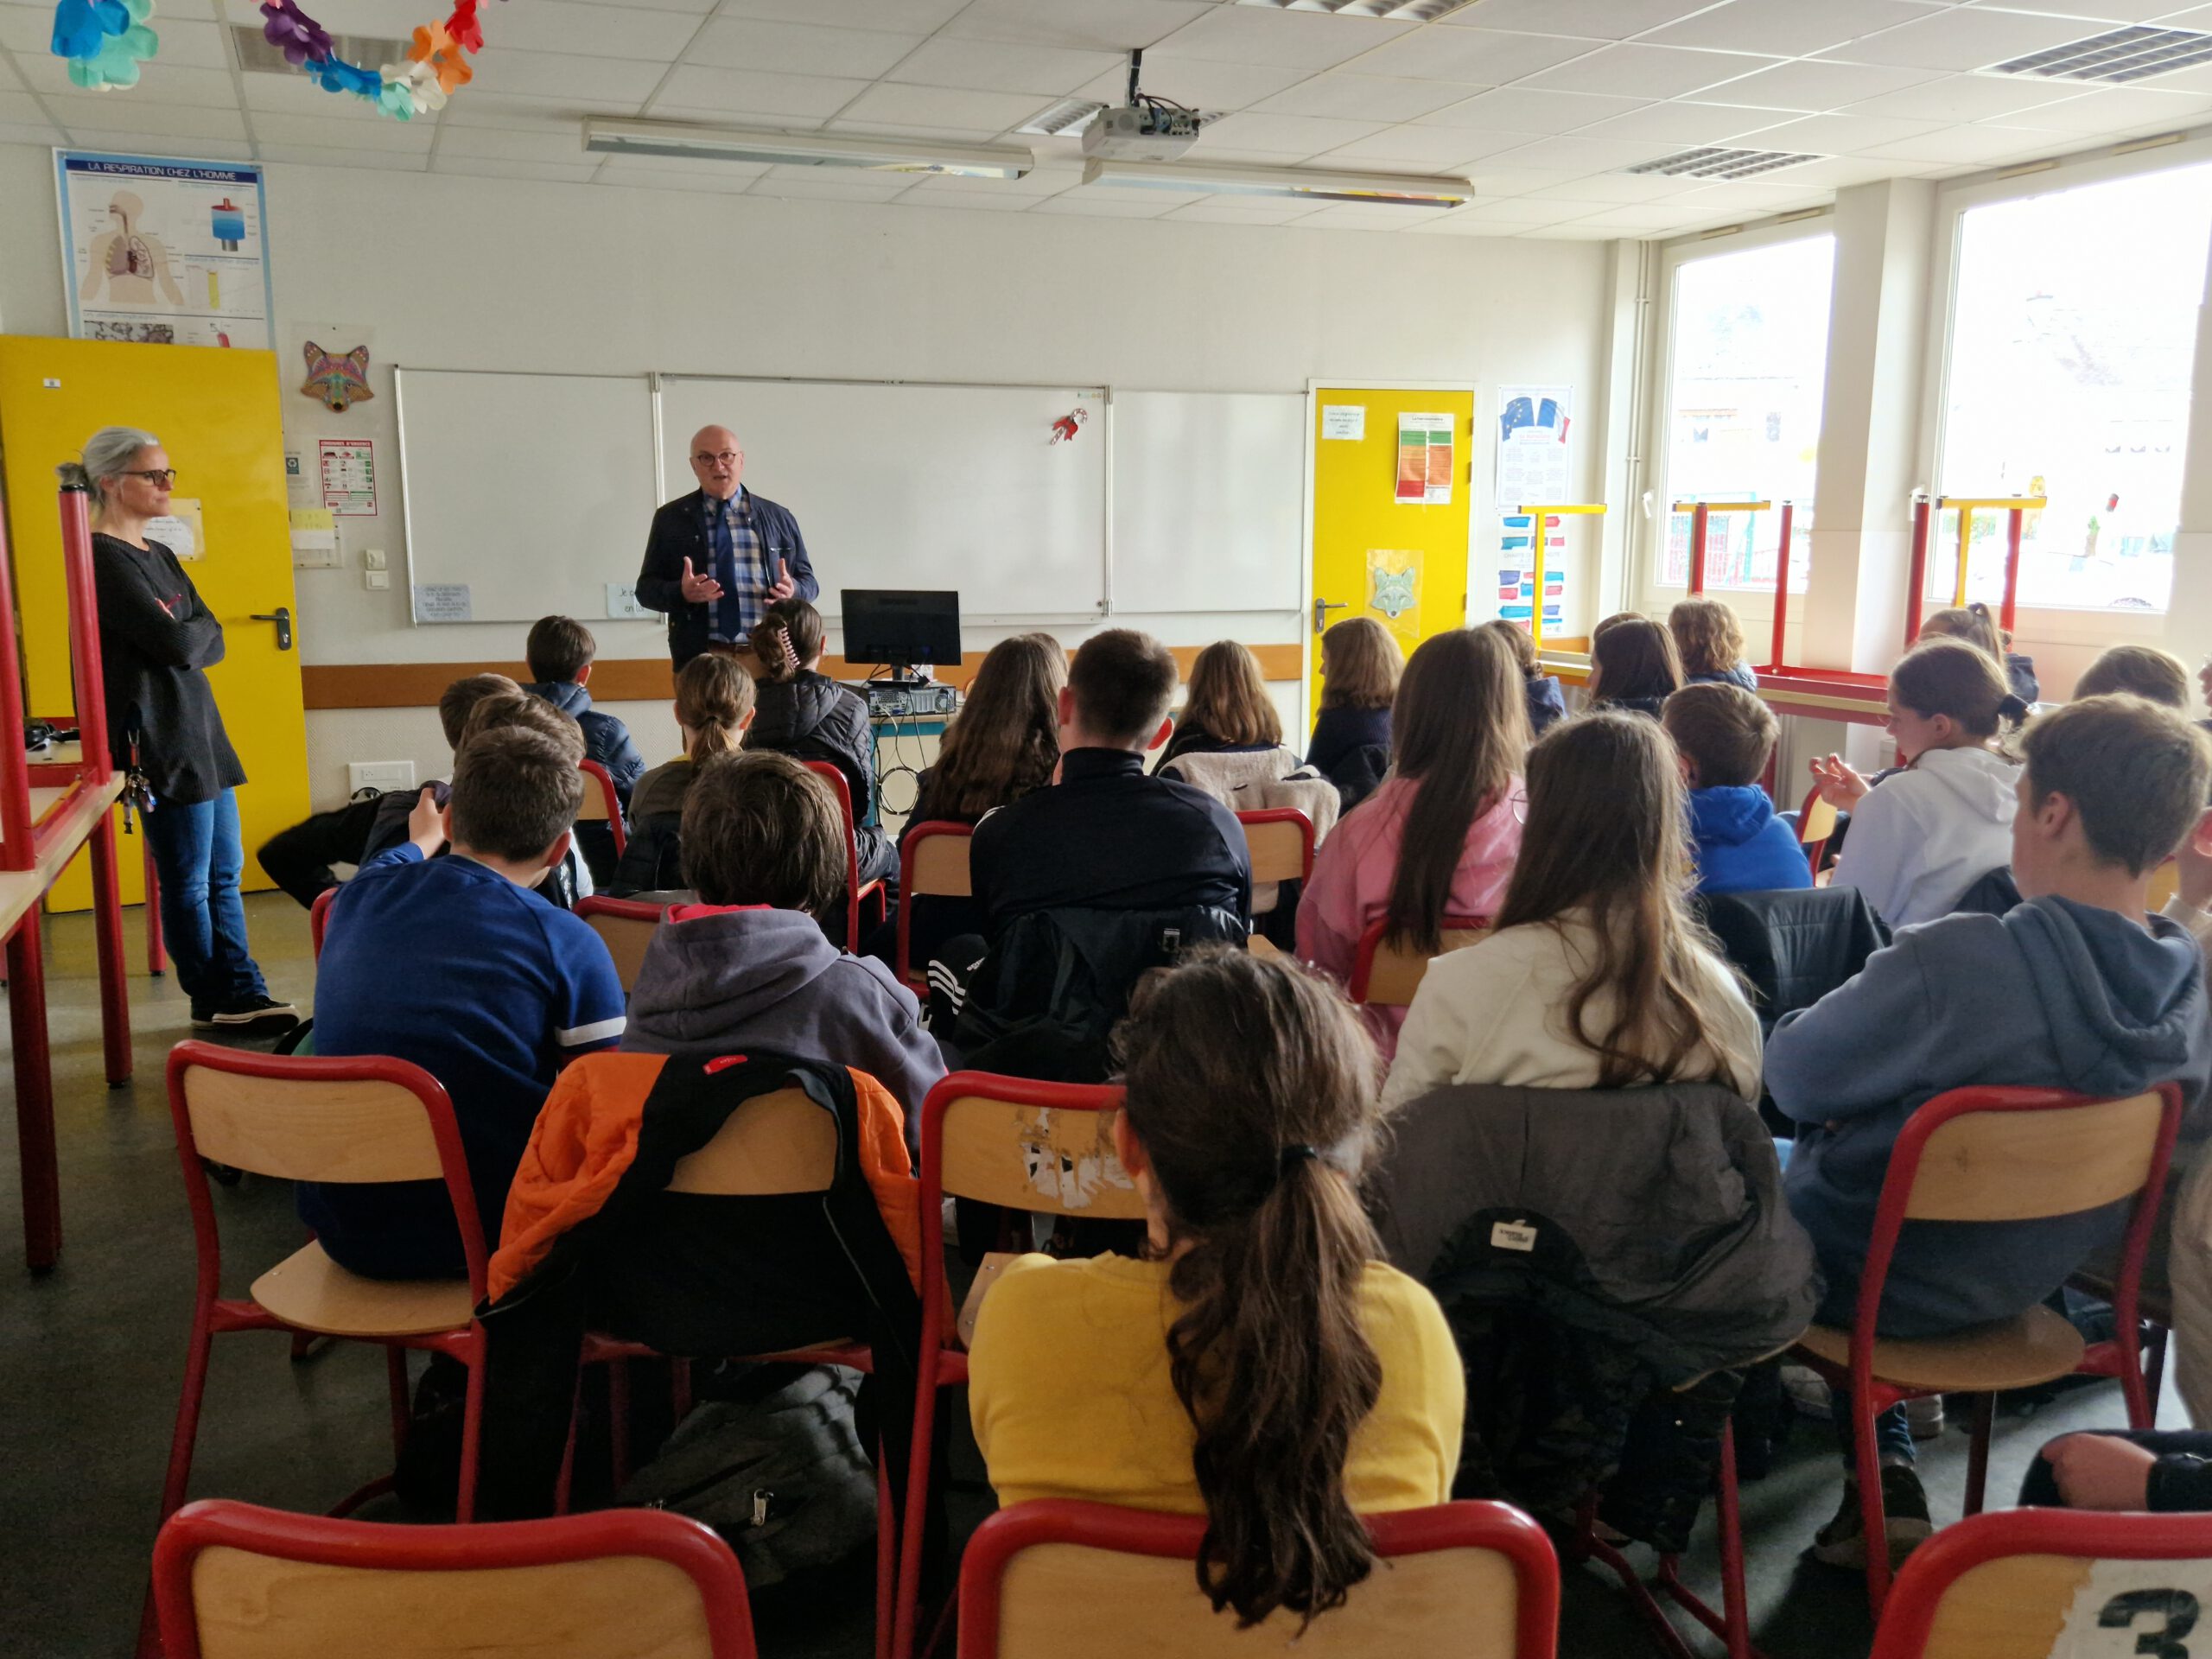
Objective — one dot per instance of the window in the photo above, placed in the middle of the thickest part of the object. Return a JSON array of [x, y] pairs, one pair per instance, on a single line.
[[2073, 339], [1748, 368]]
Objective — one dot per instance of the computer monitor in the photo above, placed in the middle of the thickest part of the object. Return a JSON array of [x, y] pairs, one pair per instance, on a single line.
[[900, 626]]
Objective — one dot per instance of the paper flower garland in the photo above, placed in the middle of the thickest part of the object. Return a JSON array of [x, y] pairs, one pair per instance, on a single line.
[[105, 41]]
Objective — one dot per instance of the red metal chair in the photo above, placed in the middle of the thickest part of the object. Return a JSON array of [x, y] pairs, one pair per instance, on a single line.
[[1057, 1579], [1816, 824], [602, 804], [932, 862], [233, 1580], [853, 890], [1389, 974], [1988, 1155], [1002, 1140], [626, 926], [319, 919], [2009, 1585]]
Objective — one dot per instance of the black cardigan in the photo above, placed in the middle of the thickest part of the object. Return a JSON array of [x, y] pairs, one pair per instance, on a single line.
[[157, 638]]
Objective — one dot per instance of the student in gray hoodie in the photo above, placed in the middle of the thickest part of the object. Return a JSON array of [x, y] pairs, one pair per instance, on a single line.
[[748, 967], [2078, 987]]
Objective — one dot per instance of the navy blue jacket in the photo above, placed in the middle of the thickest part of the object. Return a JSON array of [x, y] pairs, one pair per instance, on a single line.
[[1547, 703], [606, 740], [679, 532]]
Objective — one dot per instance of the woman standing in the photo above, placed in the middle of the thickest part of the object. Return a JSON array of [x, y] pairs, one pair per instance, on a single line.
[[157, 639]]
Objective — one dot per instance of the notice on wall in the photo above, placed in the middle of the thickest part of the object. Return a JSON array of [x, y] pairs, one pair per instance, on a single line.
[[1424, 459], [179, 530], [349, 476], [444, 601], [1534, 455], [314, 539], [299, 488], [164, 252], [1517, 569], [1341, 420]]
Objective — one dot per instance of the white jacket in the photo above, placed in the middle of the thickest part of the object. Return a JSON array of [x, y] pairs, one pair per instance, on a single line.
[[1495, 1012], [1920, 839]]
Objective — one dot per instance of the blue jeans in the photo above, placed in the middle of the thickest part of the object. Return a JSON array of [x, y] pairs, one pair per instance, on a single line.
[[198, 857]]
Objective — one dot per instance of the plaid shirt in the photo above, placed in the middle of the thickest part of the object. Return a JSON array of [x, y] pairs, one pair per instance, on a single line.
[[739, 566]]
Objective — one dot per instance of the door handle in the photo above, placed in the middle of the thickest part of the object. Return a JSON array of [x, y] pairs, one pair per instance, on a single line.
[[283, 618], [1321, 609]]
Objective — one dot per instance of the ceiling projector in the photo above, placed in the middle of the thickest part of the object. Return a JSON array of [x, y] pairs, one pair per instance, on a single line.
[[1141, 132]]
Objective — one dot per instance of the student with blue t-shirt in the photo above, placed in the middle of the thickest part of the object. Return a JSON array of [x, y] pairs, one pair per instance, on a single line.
[[1724, 737], [457, 964]]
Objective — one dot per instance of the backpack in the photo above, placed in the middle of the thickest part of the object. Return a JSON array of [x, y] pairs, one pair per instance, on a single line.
[[778, 1470]]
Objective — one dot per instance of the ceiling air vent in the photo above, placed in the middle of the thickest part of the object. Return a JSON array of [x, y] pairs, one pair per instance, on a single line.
[[1065, 120], [1403, 11], [1716, 163], [257, 56], [2119, 55]]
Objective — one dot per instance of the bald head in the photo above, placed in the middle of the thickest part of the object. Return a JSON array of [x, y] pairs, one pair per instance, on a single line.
[[717, 461]]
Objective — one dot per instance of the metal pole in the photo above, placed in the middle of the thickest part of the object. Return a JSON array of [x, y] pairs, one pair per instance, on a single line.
[[85, 635], [1965, 538], [1917, 584], [17, 851], [1536, 599], [1782, 585], [1699, 519], [2013, 532]]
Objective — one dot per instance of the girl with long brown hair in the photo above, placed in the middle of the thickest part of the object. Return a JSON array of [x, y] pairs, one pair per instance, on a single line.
[[1261, 1364], [1360, 667], [1633, 666], [1228, 708], [1439, 838], [1597, 977], [715, 703]]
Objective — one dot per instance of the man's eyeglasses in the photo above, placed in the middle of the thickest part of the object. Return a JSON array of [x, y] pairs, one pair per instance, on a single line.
[[162, 477], [727, 457]]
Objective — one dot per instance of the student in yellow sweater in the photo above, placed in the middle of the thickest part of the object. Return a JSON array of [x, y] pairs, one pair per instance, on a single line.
[[1261, 1364]]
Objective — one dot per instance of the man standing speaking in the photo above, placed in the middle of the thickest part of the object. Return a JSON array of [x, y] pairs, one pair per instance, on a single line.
[[718, 558]]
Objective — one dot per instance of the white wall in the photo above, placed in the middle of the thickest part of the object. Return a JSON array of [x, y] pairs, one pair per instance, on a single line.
[[464, 272]]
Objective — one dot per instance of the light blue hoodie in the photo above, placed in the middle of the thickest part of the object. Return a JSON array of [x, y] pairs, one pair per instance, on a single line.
[[2054, 994]]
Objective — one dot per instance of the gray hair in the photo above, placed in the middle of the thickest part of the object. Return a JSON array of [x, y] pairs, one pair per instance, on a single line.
[[109, 451]]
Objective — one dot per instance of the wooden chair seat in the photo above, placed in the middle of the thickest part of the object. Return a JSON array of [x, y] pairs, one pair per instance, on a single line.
[[2017, 1353], [1261, 945], [309, 1290]]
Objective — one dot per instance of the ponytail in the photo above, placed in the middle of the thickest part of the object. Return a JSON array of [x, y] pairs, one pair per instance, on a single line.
[[714, 694], [788, 637], [109, 451], [1258, 1147], [1951, 677]]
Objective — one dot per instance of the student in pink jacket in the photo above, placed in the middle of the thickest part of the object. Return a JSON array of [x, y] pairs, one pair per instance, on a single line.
[[1440, 837]]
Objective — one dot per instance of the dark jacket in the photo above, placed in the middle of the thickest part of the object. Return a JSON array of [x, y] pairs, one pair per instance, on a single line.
[[1649, 706], [606, 740], [652, 855], [1793, 945], [679, 532], [2020, 671], [1741, 675], [1546, 703], [1740, 846], [157, 638], [814, 718], [1592, 1248], [1351, 748]]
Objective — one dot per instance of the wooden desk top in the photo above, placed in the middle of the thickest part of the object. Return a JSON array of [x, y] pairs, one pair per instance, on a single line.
[[20, 890]]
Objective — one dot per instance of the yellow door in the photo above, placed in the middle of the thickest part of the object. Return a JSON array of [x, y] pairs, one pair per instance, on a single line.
[[1387, 541], [216, 413]]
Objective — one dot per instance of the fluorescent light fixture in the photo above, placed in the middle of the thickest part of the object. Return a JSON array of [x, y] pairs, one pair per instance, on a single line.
[[1299, 184], [605, 137]]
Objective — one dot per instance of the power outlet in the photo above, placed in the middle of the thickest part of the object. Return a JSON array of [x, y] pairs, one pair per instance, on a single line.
[[387, 775]]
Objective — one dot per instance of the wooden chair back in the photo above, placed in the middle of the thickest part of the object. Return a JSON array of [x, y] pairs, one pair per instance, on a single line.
[[236, 1581], [775, 1143], [1815, 823], [601, 803], [1280, 840], [2026, 1583], [1984, 1165], [2165, 882], [319, 919], [626, 926], [1027, 1146], [932, 863], [1057, 1579], [1388, 974]]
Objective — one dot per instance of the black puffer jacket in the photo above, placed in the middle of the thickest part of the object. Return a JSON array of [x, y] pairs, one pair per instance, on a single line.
[[813, 717]]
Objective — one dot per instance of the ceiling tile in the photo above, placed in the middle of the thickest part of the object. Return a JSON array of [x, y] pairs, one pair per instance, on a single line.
[[982, 201], [1683, 123], [620, 166], [2103, 11], [1579, 233], [13, 132], [694, 6], [1283, 135], [196, 46], [1955, 145], [798, 49], [1970, 37], [1460, 224], [562, 145], [1519, 210], [1837, 172], [1296, 40], [481, 108], [1790, 28], [115, 113], [940, 106], [21, 109], [907, 15], [1095, 25], [1965, 98], [2116, 108], [1518, 181], [816, 184], [1437, 148], [996, 66], [1522, 109], [205, 89], [385, 19], [1364, 97], [25, 29], [385, 160], [139, 143], [490, 167], [1575, 154], [1198, 82], [1751, 196], [1813, 85], [1603, 20], [1636, 221], [1838, 134], [1370, 216], [1231, 210], [1646, 72], [561, 75], [706, 184], [1115, 204], [1042, 181], [895, 130], [693, 86], [1479, 57], [605, 31], [305, 129], [723, 116], [297, 95], [1600, 188]]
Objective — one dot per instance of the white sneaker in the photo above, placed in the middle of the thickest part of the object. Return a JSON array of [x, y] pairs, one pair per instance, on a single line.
[[1924, 1417], [1808, 1390]]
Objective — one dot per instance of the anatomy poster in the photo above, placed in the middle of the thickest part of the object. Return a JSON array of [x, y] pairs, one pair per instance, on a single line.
[[1533, 452], [164, 252]]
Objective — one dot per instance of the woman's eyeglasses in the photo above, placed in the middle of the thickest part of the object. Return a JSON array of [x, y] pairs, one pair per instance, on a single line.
[[161, 477]]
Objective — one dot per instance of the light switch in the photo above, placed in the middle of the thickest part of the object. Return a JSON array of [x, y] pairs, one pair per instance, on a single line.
[[376, 579], [372, 558]]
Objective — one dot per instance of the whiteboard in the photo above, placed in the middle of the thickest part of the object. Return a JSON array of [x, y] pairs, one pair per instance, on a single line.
[[1209, 500], [920, 486], [531, 491]]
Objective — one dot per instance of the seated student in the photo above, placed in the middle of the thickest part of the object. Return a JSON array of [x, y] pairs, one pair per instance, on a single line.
[[1547, 704], [1439, 838], [1633, 666], [747, 966], [1261, 1365], [460, 965], [1975, 625], [1944, 822], [1711, 642], [1228, 711], [1724, 737], [2166, 1471], [560, 650], [805, 712], [714, 705], [1597, 977], [2143, 670], [1351, 745], [2076, 989]]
